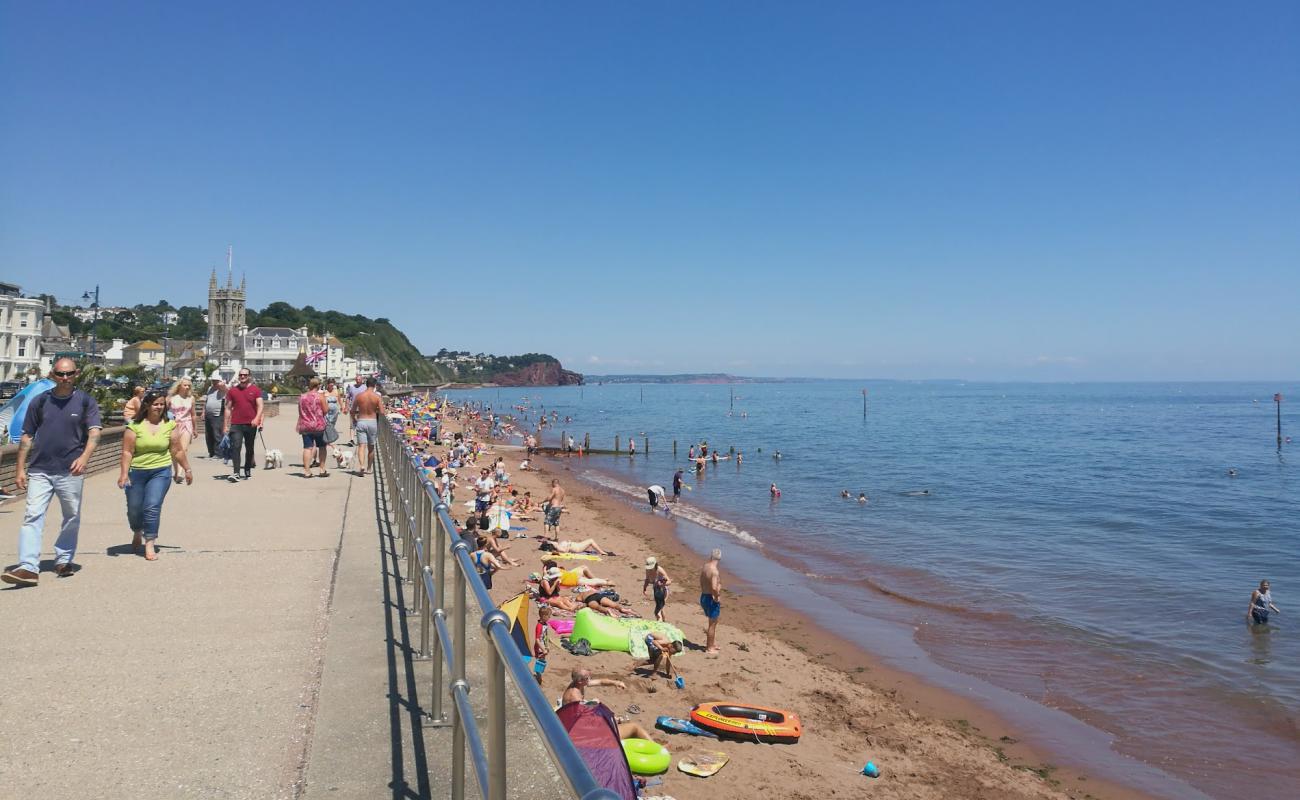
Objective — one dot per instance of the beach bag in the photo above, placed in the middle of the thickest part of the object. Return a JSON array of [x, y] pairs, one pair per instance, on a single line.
[[331, 433], [223, 447]]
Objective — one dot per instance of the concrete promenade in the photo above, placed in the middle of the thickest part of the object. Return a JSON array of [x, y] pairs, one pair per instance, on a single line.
[[263, 647]]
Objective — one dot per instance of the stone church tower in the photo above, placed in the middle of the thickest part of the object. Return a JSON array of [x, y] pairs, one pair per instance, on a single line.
[[225, 314]]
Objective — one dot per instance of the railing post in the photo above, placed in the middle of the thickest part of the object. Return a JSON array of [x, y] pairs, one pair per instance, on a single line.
[[458, 678], [496, 725]]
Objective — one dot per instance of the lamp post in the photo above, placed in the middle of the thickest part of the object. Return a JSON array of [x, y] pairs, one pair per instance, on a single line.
[[94, 307]]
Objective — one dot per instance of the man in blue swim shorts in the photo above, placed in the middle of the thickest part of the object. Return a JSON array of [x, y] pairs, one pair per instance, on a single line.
[[711, 598]]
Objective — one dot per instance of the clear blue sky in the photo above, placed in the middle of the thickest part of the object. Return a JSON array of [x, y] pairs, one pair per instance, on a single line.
[[1044, 191]]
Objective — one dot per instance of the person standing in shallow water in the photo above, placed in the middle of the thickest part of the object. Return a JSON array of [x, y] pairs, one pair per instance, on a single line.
[[1261, 603]]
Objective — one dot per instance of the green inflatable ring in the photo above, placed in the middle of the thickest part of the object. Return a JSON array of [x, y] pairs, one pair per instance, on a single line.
[[646, 757]]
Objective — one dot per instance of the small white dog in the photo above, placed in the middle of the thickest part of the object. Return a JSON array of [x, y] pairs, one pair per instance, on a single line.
[[274, 459], [343, 457]]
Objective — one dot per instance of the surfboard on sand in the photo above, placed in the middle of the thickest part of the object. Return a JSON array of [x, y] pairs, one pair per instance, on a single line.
[[703, 764], [675, 725]]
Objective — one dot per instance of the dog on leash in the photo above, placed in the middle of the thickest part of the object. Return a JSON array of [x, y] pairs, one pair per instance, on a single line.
[[274, 459], [343, 457]]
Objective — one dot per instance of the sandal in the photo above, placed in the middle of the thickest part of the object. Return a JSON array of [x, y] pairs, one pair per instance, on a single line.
[[324, 474]]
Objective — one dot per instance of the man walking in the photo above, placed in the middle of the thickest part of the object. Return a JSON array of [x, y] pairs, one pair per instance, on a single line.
[[711, 598], [366, 409], [214, 415], [244, 406], [62, 429], [353, 392]]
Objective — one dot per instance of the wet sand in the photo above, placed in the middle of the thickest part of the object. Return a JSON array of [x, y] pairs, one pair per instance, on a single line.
[[927, 742]]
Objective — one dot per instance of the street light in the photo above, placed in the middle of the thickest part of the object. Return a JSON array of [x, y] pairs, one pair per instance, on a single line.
[[94, 351]]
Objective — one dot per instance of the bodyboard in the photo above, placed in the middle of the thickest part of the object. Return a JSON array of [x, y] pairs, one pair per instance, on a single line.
[[675, 725], [703, 763]]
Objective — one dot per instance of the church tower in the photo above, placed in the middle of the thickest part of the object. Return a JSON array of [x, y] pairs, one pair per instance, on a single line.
[[225, 311]]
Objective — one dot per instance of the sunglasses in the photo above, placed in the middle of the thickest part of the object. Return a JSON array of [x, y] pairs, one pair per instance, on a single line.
[[65, 373]]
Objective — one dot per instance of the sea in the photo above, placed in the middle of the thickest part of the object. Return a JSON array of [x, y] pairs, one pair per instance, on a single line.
[[1077, 557]]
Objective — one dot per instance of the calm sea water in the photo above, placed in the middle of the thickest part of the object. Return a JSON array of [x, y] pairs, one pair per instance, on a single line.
[[1082, 546]]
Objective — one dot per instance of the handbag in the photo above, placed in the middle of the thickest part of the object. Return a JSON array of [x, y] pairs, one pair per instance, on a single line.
[[223, 447]]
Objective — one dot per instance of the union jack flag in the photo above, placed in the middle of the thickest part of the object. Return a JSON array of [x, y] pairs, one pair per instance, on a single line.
[[317, 355]]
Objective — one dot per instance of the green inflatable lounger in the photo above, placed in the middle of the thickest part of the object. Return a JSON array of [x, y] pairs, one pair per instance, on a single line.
[[618, 635]]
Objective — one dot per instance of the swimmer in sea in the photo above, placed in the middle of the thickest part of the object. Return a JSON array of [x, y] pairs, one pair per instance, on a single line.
[[844, 494], [862, 497], [1232, 473], [774, 492], [1261, 602], [739, 457], [776, 456]]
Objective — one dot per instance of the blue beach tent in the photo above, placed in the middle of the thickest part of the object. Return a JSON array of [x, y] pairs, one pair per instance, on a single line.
[[16, 408]]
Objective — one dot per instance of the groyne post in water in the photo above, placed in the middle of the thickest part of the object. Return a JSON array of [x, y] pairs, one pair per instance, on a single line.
[[647, 445], [1277, 401], [674, 449], [731, 451], [586, 441], [616, 443]]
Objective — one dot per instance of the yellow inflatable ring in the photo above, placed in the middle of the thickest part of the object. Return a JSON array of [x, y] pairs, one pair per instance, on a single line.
[[646, 757]]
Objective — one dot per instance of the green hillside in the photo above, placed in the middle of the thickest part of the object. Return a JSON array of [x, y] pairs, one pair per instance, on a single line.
[[377, 337]]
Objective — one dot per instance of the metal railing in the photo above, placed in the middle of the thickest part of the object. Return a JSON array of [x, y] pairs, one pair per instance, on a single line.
[[428, 533]]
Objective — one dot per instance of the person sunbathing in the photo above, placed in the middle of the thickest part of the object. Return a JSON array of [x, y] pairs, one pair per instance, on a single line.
[[493, 545], [581, 576], [584, 546], [601, 604]]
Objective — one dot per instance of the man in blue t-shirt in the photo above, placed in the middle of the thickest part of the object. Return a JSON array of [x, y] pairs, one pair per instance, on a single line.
[[61, 428]]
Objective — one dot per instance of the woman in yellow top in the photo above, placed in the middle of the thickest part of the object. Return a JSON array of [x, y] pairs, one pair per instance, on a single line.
[[149, 444]]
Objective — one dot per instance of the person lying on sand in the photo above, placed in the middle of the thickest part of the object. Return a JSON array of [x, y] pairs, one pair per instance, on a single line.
[[581, 576], [601, 604], [584, 546]]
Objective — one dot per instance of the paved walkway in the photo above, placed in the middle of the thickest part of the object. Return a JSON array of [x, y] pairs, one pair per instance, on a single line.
[[202, 674]]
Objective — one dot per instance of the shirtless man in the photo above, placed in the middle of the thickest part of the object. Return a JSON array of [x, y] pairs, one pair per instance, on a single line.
[[553, 506], [576, 692], [366, 409], [711, 598]]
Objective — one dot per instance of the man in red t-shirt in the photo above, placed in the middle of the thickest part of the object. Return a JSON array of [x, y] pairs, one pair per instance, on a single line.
[[243, 420]]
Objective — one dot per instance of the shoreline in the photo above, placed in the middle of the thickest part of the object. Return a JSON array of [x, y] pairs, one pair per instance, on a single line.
[[747, 609], [928, 741]]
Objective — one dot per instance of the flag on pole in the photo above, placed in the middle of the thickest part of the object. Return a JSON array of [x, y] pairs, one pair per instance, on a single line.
[[317, 355], [1277, 398]]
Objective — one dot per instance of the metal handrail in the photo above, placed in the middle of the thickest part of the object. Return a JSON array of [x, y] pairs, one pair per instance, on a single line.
[[428, 533]]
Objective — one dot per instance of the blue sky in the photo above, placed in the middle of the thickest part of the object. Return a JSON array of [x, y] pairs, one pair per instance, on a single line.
[[1042, 191]]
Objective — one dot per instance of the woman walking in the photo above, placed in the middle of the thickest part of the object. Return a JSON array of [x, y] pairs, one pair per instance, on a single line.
[[312, 408], [180, 402], [333, 405], [132, 405], [150, 445]]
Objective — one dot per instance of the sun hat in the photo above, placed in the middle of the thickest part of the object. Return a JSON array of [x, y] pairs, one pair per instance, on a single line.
[[651, 562], [553, 573]]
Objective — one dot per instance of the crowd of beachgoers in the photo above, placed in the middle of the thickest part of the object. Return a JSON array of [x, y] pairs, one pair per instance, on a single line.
[[578, 553]]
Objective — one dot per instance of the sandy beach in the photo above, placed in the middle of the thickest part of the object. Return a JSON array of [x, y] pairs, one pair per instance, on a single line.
[[928, 743]]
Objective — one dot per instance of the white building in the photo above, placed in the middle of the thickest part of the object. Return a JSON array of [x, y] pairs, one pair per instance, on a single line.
[[20, 332], [269, 353]]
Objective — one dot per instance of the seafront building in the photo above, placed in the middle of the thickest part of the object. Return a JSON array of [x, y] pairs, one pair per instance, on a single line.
[[21, 320]]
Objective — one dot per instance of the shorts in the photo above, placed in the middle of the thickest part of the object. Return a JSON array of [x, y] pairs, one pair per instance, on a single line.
[[654, 499], [1259, 617], [367, 431], [553, 516], [652, 652], [312, 439], [712, 608], [481, 505]]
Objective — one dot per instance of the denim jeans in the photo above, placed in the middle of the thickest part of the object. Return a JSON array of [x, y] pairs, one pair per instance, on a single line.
[[41, 489], [144, 499]]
